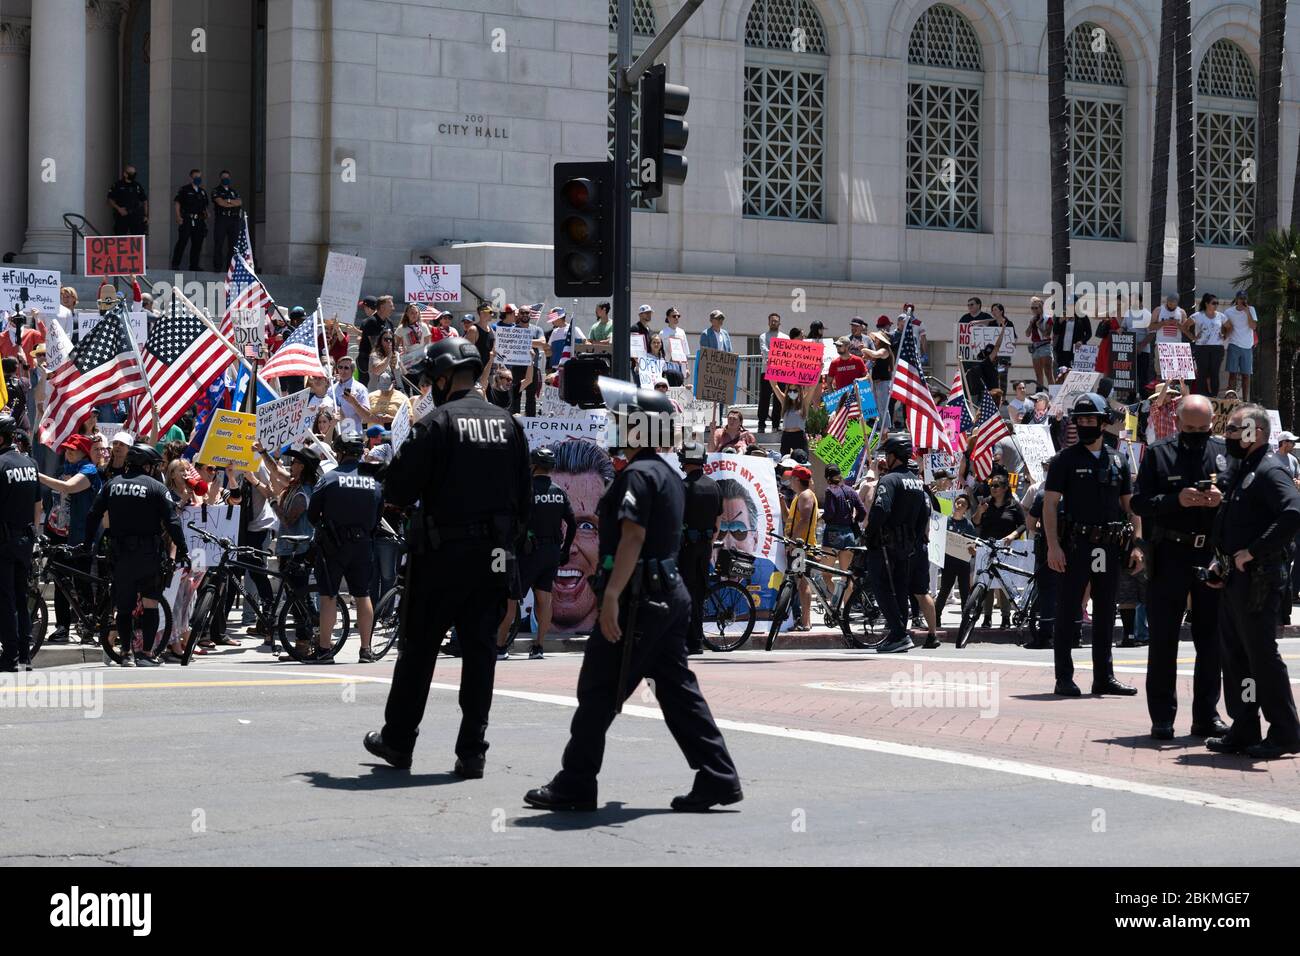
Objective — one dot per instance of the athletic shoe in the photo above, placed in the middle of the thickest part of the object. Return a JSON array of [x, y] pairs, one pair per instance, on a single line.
[[367, 656], [898, 646], [59, 636], [128, 660], [144, 660], [535, 652]]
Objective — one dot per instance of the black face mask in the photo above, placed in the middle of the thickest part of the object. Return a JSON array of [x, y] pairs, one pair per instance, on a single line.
[[129, 176], [1088, 433], [1194, 441], [1235, 448]]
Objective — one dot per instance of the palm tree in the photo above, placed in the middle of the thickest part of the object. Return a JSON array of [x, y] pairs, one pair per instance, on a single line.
[[1058, 148], [1272, 24], [1272, 274], [1186, 147], [1160, 154]]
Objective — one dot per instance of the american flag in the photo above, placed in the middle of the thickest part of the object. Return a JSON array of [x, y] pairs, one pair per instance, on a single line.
[[957, 391], [909, 387], [848, 411], [103, 367], [990, 430], [298, 355], [182, 357], [243, 247], [244, 292]]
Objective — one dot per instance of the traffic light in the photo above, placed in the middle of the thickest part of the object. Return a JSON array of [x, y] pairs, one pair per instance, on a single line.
[[663, 127], [584, 229]]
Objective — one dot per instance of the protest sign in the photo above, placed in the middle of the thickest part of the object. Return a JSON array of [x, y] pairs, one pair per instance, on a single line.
[[432, 284], [250, 333], [1036, 447], [1076, 383], [23, 288], [971, 339], [514, 344], [1223, 408], [283, 421], [113, 255], [957, 546], [341, 289], [229, 440], [794, 361], [715, 375], [697, 413], [842, 453], [866, 399], [1121, 361], [219, 520], [1085, 358], [85, 321], [752, 501], [1176, 361], [1275, 427], [829, 354], [677, 350], [637, 345], [951, 415], [587, 426], [938, 538], [422, 407], [401, 427], [649, 368], [552, 406]]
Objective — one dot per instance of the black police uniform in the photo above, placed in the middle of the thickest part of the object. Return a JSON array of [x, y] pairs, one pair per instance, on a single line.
[[19, 492], [648, 493], [552, 526], [1261, 513], [345, 509], [1091, 488], [131, 196], [699, 522], [898, 523], [139, 510], [1179, 542], [467, 464], [226, 224], [194, 224], [1048, 580]]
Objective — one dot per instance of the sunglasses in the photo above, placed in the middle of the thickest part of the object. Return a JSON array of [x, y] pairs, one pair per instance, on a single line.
[[735, 528]]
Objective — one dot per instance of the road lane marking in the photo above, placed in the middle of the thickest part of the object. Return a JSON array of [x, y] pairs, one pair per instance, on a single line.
[[155, 685]]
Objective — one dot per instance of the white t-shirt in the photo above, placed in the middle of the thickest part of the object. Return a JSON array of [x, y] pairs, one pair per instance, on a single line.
[[1242, 335], [1208, 328], [679, 334], [1138, 323], [1169, 322], [339, 389]]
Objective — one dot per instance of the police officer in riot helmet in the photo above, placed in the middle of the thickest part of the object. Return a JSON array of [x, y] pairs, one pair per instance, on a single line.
[[1092, 536], [345, 509], [552, 526], [644, 614], [139, 511], [467, 464], [700, 522], [20, 517], [897, 525]]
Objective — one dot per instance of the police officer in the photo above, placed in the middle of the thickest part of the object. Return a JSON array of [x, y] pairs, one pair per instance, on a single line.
[[1086, 518], [130, 205], [191, 207], [701, 518], [898, 522], [1044, 610], [20, 517], [139, 510], [643, 601], [345, 509], [467, 465], [1253, 530], [552, 526], [227, 221], [1177, 499]]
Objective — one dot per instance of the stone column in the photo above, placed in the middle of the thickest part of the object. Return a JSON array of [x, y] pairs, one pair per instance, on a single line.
[[56, 153], [103, 131], [15, 46]]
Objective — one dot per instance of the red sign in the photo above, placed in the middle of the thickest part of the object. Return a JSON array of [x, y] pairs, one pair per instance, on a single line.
[[114, 256]]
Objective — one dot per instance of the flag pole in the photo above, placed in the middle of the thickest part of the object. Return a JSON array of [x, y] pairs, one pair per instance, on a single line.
[[120, 309]]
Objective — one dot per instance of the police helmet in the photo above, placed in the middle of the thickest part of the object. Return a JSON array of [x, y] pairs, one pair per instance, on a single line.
[[348, 442], [447, 356], [692, 453], [142, 455], [1089, 403], [898, 444], [8, 427], [638, 417], [543, 457]]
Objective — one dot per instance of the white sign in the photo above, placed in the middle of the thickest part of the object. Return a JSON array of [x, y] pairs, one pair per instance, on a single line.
[[697, 414], [220, 520], [514, 344], [1176, 360], [1085, 357], [85, 321], [958, 546], [552, 406], [638, 345], [23, 288], [283, 421], [971, 338], [1075, 384], [341, 289], [401, 427], [590, 426], [649, 368], [938, 537], [431, 284], [1274, 427], [424, 405], [1036, 447], [676, 349], [250, 332]]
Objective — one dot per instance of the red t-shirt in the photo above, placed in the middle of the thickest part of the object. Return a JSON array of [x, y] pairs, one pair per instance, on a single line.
[[845, 371]]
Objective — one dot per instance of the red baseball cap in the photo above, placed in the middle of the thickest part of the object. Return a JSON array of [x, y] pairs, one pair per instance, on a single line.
[[802, 473], [81, 443], [884, 322]]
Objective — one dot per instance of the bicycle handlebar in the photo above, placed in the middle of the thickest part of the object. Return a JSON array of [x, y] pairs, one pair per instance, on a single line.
[[226, 544]]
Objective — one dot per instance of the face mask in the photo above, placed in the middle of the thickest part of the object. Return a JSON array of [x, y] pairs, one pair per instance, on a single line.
[[1088, 433], [1235, 448], [1195, 441], [129, 177], [225, 180], [198, 180]]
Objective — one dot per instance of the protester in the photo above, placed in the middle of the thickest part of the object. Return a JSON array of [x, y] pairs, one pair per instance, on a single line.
[[731, 435]]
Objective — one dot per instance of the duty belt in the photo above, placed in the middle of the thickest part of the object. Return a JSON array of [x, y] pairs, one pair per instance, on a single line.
[[1185, 538], [1109, 533]]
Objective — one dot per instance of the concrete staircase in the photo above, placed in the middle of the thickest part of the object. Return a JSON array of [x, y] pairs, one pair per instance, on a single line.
[[287, 290]]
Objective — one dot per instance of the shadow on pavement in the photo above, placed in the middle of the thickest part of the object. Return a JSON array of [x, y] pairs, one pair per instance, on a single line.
[[609, 815], [1146, 742], [381, 778], [1049, 696], [1208, 758]]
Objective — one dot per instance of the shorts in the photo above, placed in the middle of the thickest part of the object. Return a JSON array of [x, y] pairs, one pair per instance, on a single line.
[[790, 440], [1240, 361], [536, 571], [356, 564], [1041, 350], [837, 539], [918, 571]]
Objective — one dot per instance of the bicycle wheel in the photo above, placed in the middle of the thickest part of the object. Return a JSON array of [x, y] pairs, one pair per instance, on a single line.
[[970, 613], [779, 611], [860, 618], [388, 616], [729, 616], [200, 620], [39, 614], [112, 643], [299, 625]]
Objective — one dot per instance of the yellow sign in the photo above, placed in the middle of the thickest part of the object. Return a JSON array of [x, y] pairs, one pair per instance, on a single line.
[[229, 441]]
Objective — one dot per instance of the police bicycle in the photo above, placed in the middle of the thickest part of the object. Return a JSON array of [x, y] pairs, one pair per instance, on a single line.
[[1020, 587], [388, 609], [293, 613], [857, 616], [90, 600], [729, 612]]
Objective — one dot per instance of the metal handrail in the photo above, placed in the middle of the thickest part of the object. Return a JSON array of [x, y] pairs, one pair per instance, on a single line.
[[78, 233]]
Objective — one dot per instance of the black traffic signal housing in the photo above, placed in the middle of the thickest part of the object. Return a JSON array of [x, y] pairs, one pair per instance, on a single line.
[[584, 229], [663, 129]]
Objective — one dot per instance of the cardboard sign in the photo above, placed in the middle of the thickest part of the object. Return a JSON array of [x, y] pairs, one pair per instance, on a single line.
[[696, 415], [1036, 447], [250, 333], [1075, 384], [1176, 361], [676, 349], [938, 538], [957, 546], [514, 344], [283, 421], [1121, 360], [1085, 358], [715, 375], [22, 288], [794, 361], [971, 339], [341, 289], [113, 255], [432, 284], [229, 440], [1223, 409], [842, 453], [401, 427]]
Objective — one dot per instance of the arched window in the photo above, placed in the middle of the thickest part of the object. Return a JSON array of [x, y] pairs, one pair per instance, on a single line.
[[1225, 147], [1094, 76], [785, 111], [944, 82], [643, 31]]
